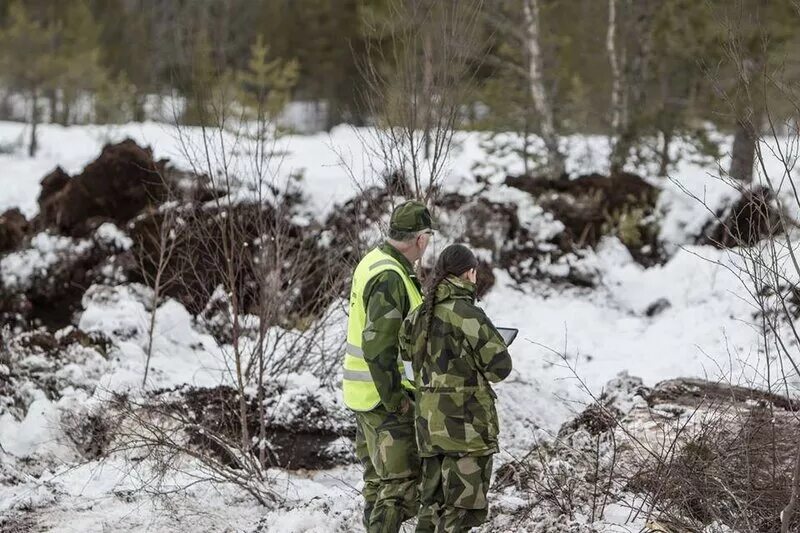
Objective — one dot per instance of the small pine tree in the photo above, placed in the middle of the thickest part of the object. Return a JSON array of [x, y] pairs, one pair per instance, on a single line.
[[266, 85], [26, 64], [114, 100]]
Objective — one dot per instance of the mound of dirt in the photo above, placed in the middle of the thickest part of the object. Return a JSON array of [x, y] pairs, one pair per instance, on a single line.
[[302, 430], [42, 361], [594, 205], [41, 284], [752, 218], [271, 252], [116, 186], [52, 184], [273, 257]]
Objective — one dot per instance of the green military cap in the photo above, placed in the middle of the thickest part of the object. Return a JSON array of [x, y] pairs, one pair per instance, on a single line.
[[411, 216]]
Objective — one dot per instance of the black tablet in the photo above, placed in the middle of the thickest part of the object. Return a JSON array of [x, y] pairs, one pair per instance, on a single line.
[[508, 334]]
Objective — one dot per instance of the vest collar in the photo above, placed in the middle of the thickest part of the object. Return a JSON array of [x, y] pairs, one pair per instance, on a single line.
[[400, 258]]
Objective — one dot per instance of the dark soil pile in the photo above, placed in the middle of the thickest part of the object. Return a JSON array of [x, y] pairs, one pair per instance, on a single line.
[[753, 217], [495, 227], [54, 294], [594, 205], [270, 253], [188, 244], [51, 184], [13, 229], [116, 187], [305, 440], [37, 359]]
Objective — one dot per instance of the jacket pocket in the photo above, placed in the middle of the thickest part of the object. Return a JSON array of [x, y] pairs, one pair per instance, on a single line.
[[481, 414], [443, 414], [461, 420]]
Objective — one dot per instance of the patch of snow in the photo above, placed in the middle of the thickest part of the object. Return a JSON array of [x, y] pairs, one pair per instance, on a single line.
[[109, 234], [17, 270]]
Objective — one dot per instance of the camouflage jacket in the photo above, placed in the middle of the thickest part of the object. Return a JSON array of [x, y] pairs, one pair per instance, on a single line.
[[387, 304], [453, 369]]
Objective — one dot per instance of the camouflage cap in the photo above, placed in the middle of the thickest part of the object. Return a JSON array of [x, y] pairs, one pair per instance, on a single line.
[[411, 216]]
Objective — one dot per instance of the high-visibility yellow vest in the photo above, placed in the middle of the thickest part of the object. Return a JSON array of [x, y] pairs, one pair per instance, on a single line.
[[360, 393]]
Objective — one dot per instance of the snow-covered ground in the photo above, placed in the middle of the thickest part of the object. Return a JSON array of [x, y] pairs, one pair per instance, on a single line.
[[704, 331]]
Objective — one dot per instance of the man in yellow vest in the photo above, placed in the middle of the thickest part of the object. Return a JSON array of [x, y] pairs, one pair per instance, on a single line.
[[384, 290]]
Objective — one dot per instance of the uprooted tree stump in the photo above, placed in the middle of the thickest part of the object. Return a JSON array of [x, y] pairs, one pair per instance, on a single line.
[[753, 217], [309, 275], [51, 293], [701, 455], [594, 205], [304, 435], [116, 186]]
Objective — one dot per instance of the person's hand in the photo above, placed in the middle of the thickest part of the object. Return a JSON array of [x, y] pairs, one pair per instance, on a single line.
[[406, 405]]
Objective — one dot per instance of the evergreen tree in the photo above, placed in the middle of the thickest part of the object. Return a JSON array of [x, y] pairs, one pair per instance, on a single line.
[[115, 100], [265, 85], [26, 63]]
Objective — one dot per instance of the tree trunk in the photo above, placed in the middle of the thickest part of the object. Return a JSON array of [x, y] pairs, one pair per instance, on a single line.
[[6, 110], [745, 137], [34, 145], [788, 512], [743, 151], [52, 100], [617, 93], [541, 101], [427, 88], [138, 103], [630, 61], [65, 111], [663, 156]]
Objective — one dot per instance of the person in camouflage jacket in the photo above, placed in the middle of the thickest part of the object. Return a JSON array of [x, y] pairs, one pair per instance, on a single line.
[[456, 353], [385, 440]]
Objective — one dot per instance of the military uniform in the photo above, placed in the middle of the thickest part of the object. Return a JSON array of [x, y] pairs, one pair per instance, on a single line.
[[456, 420], [385, 290]]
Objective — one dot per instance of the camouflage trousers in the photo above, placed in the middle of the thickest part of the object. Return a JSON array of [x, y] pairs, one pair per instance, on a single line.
[[387, 448], [453, 493]]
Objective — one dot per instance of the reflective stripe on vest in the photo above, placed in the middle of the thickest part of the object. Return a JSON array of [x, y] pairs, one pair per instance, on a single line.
[[360, 393]]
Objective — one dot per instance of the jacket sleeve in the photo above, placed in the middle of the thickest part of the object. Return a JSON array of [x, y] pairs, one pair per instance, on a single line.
[[405, 344], [387, 304], [491, 352]]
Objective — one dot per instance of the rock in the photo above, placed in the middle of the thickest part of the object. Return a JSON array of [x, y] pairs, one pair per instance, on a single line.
[[116, 186], [657, 307], [13, 229]]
